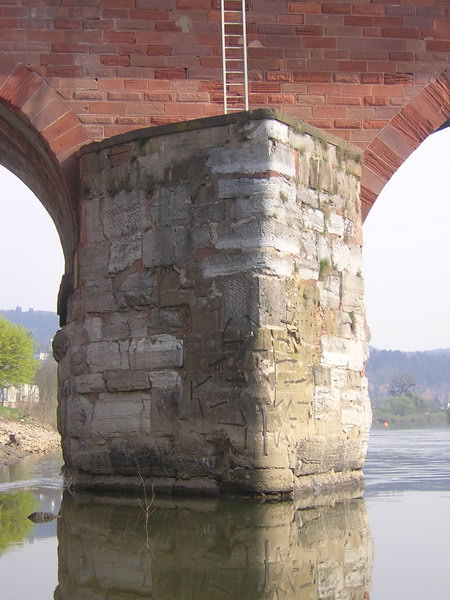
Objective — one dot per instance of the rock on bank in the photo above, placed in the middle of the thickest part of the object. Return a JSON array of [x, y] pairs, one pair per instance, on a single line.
[[32, 438]]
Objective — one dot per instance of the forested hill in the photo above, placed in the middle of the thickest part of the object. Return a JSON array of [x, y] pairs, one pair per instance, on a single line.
[[41, 323], [430, 371]]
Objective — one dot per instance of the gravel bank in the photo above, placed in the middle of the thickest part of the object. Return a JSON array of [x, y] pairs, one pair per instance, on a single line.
[[32, 439]]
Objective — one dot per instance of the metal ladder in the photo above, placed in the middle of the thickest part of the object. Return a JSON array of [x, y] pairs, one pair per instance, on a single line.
[[234, 55]]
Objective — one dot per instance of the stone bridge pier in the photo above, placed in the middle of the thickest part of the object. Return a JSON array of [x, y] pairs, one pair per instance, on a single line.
[[216, 335]]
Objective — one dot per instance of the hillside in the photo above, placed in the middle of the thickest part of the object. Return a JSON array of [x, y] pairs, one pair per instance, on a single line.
[[41, 323], [430, 370]]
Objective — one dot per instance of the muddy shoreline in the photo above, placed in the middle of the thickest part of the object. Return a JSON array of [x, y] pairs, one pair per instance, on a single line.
[[31, 438]]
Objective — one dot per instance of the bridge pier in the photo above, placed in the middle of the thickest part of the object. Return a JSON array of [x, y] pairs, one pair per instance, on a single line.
[[216, 336]]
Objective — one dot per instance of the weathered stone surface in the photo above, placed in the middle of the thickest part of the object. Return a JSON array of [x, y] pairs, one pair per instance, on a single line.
[[156, 352], [217, 331]]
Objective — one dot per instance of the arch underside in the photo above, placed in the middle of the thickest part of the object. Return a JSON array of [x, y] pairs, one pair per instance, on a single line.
[[428, 112]]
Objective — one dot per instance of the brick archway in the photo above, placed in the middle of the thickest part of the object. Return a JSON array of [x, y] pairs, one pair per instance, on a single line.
[[402, 135], [39, 136]]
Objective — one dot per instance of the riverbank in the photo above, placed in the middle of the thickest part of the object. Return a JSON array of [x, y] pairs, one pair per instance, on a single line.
[[31, 438]]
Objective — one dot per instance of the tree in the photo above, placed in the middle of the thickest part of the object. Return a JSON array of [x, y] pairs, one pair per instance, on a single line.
[[47, 382], [401, 385], [17, 362]]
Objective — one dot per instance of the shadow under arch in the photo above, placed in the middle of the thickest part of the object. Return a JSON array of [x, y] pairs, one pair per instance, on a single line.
[[39, 136], [422, 116]]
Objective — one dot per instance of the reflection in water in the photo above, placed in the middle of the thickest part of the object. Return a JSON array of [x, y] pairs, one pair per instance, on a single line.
[[212, 549], [14, 525]]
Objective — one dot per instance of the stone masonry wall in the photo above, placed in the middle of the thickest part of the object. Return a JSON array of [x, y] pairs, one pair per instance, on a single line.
[[216, 339]]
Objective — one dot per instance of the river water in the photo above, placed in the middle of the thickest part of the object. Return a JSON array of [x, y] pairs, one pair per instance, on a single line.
[[393, 545]]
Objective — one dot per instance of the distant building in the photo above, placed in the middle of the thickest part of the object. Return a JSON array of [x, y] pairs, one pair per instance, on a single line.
[[12, 396]]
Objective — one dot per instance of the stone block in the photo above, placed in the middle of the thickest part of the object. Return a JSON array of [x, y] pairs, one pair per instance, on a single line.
[[252, 159], [327, 403], [165, 380], [222, 264], [335, 224], [123, 214], [98, 296], [104, 356], [171, 205], [330, 290], [93, 260], [121, 413], [126, 380], [342, 353], [94, 329], [135, 290], [156, 352], [124, 252], [80, 411], [87, 384]]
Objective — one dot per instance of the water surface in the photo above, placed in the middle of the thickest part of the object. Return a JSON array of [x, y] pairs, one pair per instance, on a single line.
[[393, 545]]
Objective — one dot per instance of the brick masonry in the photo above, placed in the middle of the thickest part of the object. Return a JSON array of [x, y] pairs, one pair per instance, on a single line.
[[369, 72], [216, 338]]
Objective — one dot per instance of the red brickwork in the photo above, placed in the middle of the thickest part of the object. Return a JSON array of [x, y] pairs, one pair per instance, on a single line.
[[363, 70]]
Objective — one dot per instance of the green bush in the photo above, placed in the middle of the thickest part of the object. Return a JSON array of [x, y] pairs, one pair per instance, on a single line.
[[10, 414]]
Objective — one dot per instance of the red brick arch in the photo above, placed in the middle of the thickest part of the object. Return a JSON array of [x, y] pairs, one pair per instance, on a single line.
[[422, 116], [25, 92], [39, 135]]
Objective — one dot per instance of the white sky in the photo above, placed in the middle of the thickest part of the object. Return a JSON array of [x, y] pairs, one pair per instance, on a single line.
[[406, 252], [31, 258]]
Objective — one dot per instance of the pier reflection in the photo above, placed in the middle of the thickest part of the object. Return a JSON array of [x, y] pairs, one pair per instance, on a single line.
[[198, 550]]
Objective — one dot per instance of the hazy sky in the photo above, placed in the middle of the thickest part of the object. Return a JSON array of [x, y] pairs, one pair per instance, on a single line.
[[406, 252]]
